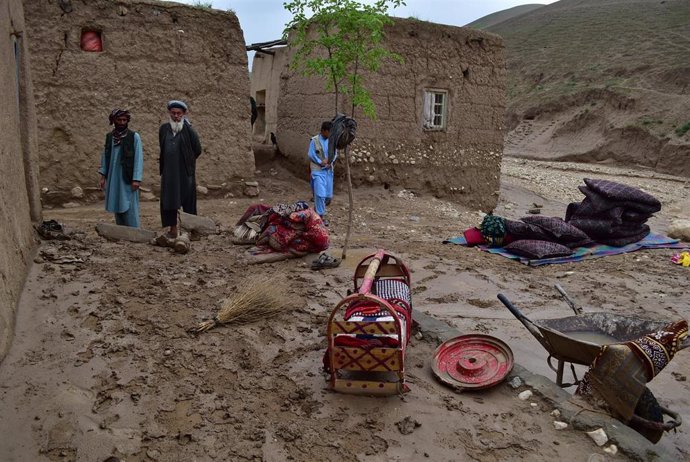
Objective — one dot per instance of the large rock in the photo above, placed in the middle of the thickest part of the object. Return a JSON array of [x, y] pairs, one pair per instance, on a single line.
[[77, 192], [124, 233], [197, 224], [251, 189], [680, 229]]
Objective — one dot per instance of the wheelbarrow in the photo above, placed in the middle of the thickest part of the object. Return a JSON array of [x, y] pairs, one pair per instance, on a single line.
[[578, 339]]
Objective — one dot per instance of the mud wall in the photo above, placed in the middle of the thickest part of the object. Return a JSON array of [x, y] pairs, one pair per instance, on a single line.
[[265, 88], [152, 52], [461, 161], [18, 182]]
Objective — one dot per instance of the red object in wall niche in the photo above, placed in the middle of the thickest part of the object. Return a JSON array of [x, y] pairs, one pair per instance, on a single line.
[[91, 41]]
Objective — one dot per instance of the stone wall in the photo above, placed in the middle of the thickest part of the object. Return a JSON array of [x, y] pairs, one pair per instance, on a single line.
[[460, 162], [152, 52], [18, 164]]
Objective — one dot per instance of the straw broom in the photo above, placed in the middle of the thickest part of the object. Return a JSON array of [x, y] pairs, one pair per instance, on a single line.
[[255, 299]]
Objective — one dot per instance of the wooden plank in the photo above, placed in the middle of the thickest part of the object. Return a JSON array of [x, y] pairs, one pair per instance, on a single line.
[[363, 327], [363, 387], [384, 271]]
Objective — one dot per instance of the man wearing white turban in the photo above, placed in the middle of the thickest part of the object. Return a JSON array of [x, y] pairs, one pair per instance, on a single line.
[[179, 149]]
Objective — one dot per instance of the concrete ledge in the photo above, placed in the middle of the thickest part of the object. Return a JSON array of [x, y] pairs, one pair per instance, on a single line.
[[628, 440], [124, 233]]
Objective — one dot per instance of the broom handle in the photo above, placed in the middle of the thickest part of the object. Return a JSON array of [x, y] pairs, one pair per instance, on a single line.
[[369, 276]]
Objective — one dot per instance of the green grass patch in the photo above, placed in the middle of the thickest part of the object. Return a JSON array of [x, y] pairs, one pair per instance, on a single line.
[[650, 121], [682, 130], [613, 83]]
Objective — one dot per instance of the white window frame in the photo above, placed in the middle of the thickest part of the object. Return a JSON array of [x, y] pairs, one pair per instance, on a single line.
[[435, 115]]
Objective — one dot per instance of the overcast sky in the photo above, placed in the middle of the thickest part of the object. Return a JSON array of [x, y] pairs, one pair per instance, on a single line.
[[264, 20]]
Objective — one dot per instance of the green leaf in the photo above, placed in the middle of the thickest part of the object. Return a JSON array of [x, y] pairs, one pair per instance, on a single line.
[[337, 41]]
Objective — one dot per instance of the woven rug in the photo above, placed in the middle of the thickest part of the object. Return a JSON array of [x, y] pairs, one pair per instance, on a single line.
[[652, 241]]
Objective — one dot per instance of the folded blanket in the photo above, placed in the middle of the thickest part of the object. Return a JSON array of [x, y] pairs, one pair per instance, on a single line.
[[622, 193]]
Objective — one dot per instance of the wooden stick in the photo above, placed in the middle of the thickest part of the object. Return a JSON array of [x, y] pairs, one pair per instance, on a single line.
[[350, 203], [372, 269]]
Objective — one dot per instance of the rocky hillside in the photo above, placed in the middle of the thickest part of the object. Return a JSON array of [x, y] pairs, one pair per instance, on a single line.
[[601, 80]]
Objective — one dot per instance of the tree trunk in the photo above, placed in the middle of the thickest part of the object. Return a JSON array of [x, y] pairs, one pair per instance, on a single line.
[[350, 198]]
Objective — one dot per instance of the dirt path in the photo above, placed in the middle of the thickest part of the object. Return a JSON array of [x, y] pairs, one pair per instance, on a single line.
[[102, 364]]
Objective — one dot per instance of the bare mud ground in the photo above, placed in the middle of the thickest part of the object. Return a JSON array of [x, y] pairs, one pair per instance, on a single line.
[[102, 365]]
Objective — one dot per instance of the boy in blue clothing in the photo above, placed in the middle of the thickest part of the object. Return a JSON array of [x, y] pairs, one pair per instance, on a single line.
[[321, 168]]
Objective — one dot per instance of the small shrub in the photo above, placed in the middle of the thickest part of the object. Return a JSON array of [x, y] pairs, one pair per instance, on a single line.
[[680, 131], [201, 4], [649, 121]]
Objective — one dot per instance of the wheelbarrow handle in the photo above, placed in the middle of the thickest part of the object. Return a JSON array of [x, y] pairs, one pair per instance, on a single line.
[[513, 309], [568, 300], [521, 317]]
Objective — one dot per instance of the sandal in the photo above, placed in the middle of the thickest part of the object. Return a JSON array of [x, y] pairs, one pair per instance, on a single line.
[[325, 261], [51, 229]]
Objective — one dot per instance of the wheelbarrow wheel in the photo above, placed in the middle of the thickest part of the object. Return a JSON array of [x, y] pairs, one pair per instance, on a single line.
[[648, 419]]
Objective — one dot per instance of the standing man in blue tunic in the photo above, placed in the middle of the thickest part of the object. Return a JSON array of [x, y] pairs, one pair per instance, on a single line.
[[122, 168], [321, 170]]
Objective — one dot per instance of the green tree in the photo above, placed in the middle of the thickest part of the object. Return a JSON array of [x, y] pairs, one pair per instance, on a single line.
[[338, 41]]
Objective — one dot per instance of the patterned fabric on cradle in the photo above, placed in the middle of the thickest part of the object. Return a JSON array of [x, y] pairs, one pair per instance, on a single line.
[[397, 293]]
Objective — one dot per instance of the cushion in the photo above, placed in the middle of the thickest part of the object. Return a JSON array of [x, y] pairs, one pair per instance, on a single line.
[[473, 237], [622, 192], [596, 202], [597, 229], [562, 232], [623, 241], [519, 230], [534, 249]]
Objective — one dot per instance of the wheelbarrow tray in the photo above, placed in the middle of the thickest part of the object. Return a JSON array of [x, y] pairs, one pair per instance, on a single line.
[[578, 339]]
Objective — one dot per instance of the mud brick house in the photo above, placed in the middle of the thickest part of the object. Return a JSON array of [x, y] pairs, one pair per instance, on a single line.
[[440, 122], [90, 56], [19, 165]]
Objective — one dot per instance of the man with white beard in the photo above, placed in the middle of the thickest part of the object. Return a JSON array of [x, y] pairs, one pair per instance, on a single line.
[[179, 149]]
